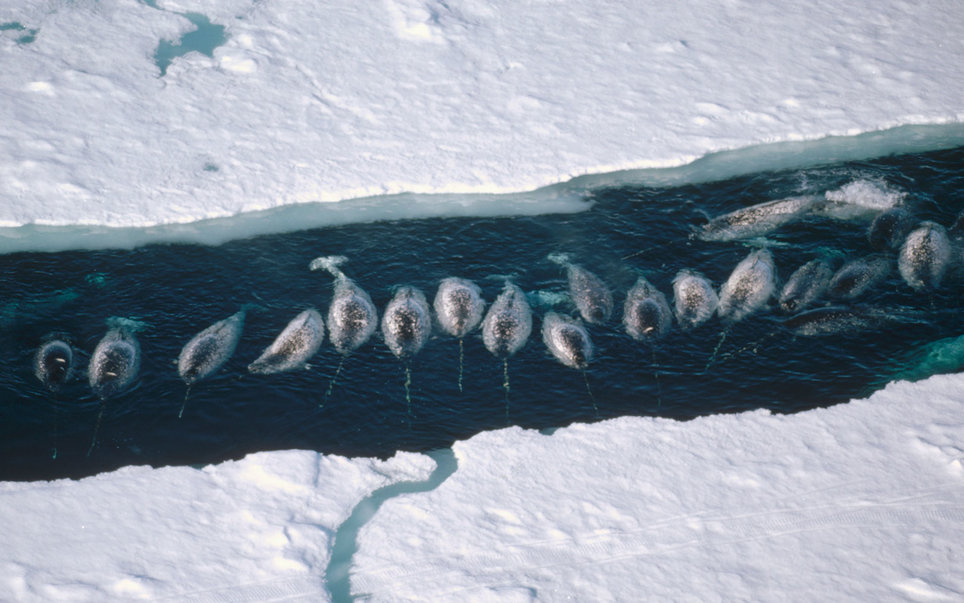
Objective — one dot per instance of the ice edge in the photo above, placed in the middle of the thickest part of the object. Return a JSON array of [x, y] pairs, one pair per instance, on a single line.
[[570, 196]]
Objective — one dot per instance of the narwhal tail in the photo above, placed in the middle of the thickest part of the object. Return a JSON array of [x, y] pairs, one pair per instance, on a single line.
[[563, 259], [329, 263]]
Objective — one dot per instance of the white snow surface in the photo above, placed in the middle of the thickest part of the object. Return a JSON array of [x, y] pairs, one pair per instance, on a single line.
[[329, 101], [257, 529], [861, 501]]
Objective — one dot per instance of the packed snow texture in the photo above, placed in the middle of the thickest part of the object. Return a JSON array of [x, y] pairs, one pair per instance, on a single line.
[[308, 101], [860, 501], [258, 529]]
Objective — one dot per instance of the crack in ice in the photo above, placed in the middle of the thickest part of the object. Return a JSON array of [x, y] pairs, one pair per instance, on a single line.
[[338, 572]]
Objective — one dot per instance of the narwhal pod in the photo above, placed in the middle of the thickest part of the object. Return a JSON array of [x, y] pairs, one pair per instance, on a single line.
[[115, 362], [54, 362], [294, 346]]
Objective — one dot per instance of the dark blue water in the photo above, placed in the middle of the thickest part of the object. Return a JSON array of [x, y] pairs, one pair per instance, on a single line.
[[177, 290]]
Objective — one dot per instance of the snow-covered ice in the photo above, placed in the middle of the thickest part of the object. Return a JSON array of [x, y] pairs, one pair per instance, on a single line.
[[258, 529], [860, 501], [308, 102], [325, 113]]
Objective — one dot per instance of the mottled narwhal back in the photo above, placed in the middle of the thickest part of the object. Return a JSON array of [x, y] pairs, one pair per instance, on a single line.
[[567, 339], [835, 320], [207, 351], [858, 276], [508, 323], [590, 294], [646, 313], [54, 363], [407, 322], [749, 286], [756, 220], [694, 299], [294, 346], [925, 256], [352, 317], [806, 285], [115, 362], [889, 229], [458, 306]]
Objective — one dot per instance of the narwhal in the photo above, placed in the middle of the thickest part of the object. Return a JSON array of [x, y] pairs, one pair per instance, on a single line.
[[647, 317], [828, 321], [506, 329], [646, 313], [568, 340], [889, 229], [208, 351], [858, 276], [352, 318], [294, 346], [113, 366], [746, 290], [806, 285], [925, 256], [54, 363], [694, 299], [458, 307], [756, 220], [406, 325], [54, 366], [835, 320], [591, 295]]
